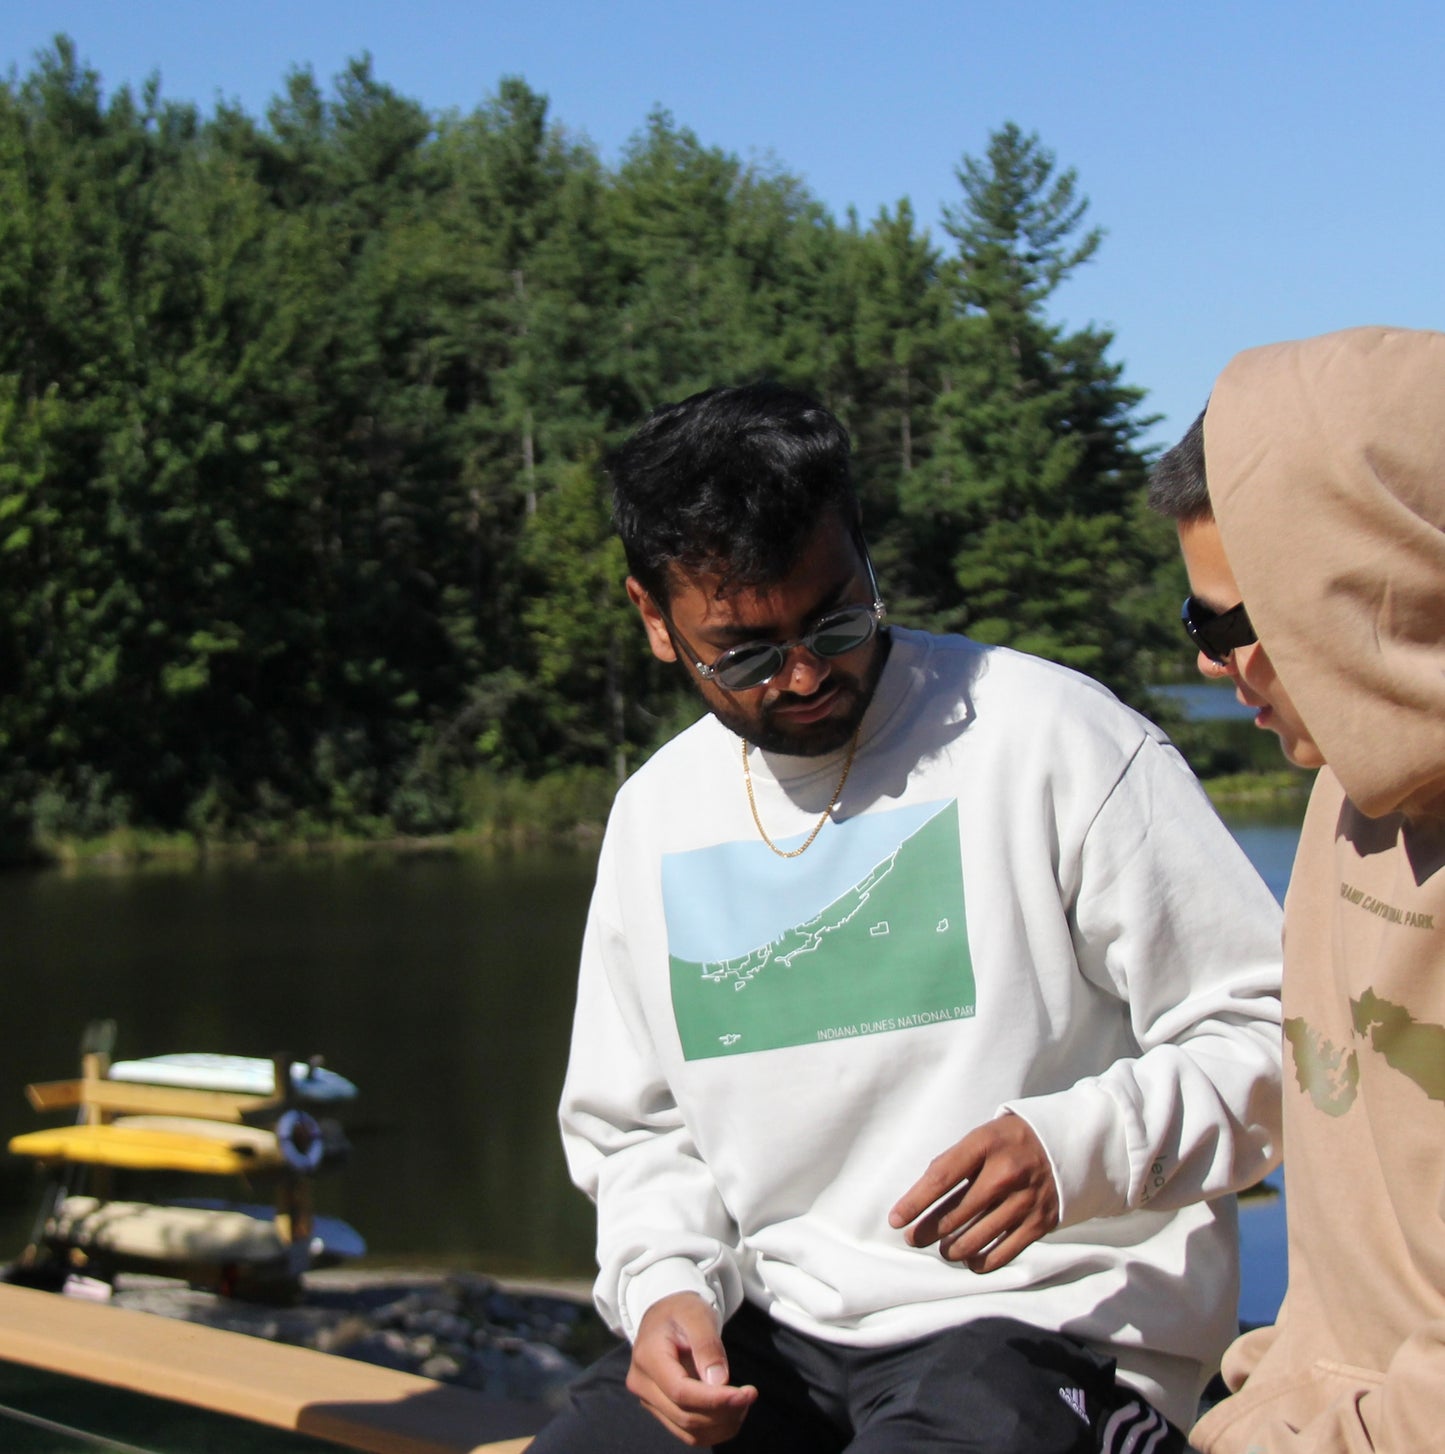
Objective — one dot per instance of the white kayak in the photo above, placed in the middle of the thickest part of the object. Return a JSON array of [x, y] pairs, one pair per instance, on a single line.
[[193, 1231], [239, 1074]]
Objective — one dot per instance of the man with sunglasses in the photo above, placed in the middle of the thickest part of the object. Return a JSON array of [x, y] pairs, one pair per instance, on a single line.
[[910, 1071], [1310, 502], [1213, 615]]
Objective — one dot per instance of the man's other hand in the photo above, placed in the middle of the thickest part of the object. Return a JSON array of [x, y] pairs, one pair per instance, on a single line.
[[680, 1372], [984, 1199]]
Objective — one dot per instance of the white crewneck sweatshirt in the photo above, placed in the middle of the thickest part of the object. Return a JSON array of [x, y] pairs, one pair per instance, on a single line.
[[1023, 901]]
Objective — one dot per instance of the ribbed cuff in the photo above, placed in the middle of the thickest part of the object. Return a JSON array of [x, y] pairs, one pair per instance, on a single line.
[[657, 1281]]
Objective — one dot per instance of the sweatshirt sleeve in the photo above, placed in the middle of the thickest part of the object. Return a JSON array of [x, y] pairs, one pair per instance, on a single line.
[[661, 1225], [1170, 917]]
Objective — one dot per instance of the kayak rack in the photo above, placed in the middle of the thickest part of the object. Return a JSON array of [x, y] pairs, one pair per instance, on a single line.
[[200, 1115]]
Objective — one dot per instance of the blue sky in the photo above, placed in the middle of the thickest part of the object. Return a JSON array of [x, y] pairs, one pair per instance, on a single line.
[[1264, 169]]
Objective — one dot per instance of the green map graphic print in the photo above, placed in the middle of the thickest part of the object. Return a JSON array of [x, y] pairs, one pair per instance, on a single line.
[[890, 954]]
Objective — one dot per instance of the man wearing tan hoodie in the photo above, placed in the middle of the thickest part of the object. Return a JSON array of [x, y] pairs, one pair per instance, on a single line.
[[1310, 501]]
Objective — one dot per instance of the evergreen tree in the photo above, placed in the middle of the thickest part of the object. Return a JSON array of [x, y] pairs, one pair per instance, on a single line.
[[1019, 527], [899, 338], [680, 307], [582, 625]]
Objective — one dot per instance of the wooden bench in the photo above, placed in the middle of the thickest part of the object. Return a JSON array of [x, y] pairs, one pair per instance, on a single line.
[[354, 1404]]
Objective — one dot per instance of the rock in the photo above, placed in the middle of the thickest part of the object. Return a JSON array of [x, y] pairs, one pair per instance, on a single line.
[[339, 1337], [448, 1326], [502, 1307], [445, 1367], [384, 1349], [460, 1328]]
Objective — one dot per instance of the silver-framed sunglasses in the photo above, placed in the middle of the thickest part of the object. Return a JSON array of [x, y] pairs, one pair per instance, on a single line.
[[755, 663]]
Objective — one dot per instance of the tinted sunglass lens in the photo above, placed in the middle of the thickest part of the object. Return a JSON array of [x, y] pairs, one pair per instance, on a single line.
[[749, 666], [1217, 633], [845, 632]]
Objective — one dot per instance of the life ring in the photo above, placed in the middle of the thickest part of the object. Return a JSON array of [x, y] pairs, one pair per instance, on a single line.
[[299, 1136]]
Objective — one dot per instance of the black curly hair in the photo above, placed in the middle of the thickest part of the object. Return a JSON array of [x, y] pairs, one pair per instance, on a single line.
[[733, 481]]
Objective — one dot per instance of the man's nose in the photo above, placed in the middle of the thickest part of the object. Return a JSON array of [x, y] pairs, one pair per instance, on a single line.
[[803, 672], [1212, 669]]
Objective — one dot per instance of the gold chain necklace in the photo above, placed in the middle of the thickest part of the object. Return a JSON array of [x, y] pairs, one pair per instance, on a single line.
[[818, 826]]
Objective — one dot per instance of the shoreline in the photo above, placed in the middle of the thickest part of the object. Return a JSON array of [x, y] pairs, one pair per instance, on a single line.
[[1283, 790], [522, 1339]]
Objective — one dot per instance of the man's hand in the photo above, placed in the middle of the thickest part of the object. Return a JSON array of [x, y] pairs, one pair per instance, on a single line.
[[680, 1372], [998, 1195]]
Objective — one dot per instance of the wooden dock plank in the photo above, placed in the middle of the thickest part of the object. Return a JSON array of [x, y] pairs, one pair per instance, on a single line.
[[358, 1405]]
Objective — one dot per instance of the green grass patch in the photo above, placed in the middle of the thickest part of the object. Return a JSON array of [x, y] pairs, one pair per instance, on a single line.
[[1277, 787], [568, 804], [121, 848]]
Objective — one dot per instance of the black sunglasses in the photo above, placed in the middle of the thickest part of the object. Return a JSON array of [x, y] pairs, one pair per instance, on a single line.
[[755, 663], [1217, 633]]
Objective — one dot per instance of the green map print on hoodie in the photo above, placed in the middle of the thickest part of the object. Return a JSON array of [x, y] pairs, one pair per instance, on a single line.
[[864, 934]]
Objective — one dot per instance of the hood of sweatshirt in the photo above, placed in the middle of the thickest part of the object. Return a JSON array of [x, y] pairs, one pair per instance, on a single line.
[[1326, 466]]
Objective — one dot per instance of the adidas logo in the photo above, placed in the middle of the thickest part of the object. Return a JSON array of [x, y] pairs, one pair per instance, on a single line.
[[1074, 1397]]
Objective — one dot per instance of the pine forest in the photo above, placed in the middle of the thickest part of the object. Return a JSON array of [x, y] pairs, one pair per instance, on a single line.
[[303, 530]]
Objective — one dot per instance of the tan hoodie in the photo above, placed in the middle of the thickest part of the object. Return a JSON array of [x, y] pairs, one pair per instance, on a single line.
[[1326, 465]]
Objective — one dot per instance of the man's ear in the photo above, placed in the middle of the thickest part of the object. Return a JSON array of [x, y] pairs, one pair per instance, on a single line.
[[659, 638]]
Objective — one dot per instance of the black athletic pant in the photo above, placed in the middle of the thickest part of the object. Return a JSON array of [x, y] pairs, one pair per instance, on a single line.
[[994, 1386]]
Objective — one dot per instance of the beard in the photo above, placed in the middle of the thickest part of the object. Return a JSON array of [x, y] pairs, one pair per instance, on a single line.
[[764, 729]]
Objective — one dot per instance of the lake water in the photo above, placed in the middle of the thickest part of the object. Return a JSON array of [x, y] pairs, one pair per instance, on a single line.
[[441, 983], [1205, 701]]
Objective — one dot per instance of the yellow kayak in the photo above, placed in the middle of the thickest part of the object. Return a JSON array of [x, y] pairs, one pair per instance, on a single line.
[[151, 1148]]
